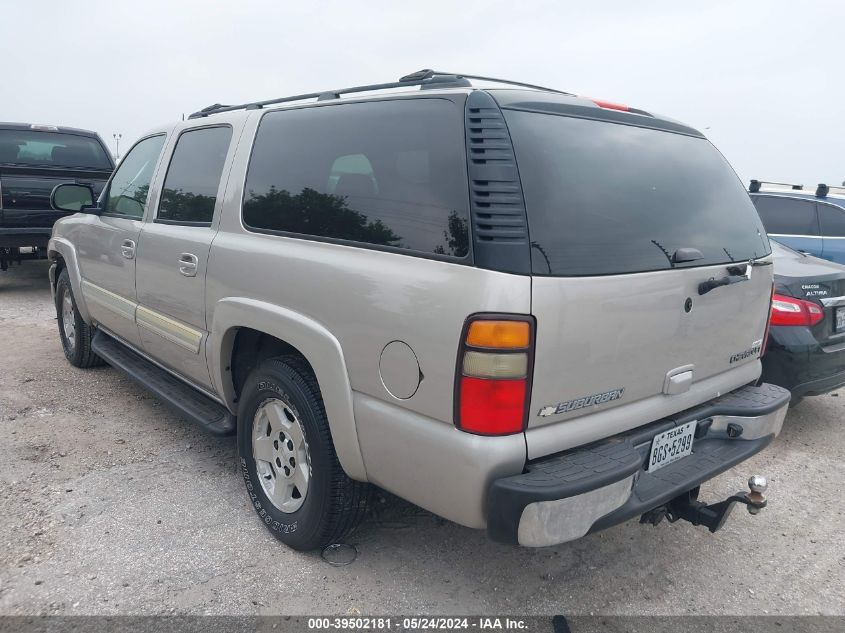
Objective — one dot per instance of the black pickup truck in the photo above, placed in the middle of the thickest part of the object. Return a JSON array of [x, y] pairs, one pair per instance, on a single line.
[[33, 160]]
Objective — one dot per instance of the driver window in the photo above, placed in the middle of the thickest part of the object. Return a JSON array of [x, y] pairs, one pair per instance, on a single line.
[[130, 185]]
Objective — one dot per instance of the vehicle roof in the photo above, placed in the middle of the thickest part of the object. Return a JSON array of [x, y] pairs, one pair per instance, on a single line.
[[507, 97], [831, 198], [59, 128]]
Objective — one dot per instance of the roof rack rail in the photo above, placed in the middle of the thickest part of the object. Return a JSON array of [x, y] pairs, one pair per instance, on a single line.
[[822, 190], [430, 74], [425, 78], [755, 185]]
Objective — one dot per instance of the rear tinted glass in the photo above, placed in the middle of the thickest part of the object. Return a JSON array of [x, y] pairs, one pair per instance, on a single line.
[[51, 149], [389, 173], [787, 216], [605, 198], [832, 220], [190, 187]]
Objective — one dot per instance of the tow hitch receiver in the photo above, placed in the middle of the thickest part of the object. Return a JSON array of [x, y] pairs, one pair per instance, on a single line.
[[688, 508]]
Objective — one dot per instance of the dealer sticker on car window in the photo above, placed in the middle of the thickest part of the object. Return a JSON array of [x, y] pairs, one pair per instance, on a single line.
[[671, 445]]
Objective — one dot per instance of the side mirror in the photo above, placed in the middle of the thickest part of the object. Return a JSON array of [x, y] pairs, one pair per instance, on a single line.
[[72, 197]]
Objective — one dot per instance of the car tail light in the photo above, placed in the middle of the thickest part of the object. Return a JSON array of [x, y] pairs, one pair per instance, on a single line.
[[768, 324], [493, 377], [791, 311]]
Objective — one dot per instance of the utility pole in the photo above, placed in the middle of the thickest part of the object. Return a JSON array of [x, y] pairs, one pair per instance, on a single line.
[[116, 136]]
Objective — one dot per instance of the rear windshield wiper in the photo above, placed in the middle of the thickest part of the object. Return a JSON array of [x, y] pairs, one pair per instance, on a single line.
[[680, 256]]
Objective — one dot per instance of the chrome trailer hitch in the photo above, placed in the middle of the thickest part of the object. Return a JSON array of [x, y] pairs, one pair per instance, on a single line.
[[687, 507]]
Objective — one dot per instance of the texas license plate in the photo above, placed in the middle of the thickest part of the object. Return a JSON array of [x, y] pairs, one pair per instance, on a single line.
[[671, 445], [840, 319]]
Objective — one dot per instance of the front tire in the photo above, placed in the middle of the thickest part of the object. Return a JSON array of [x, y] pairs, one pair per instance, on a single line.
[[74, 332], [291, 470]]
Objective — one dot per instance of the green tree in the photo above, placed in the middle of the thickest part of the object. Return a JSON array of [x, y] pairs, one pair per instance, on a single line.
[[457, 237], [313, 213]]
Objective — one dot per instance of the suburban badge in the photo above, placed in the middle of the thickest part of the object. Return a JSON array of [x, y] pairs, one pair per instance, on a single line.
[[582, 403], [754, 350]]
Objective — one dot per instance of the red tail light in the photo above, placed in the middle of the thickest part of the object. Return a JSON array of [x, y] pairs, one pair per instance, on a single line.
[[492, 407], [790, 311], [493, 380], [768, 324]]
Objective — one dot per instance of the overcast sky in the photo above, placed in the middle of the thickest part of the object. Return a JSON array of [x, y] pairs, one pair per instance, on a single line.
[[763, 79]]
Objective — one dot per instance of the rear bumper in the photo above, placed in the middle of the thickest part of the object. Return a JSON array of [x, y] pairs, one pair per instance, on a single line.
[[16, 237], [794, 360], [562, 498], [819, 386]]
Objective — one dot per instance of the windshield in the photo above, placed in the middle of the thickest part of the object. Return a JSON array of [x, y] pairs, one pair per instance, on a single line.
[[605, 198], [51, 149]]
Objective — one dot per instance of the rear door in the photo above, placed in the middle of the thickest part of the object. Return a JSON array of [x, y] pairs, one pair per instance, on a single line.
[[791, 221], [832, 223], [106, 249], [173, 253], [625, 223]]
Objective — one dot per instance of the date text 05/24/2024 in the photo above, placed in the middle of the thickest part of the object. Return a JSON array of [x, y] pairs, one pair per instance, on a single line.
[[417, 623]]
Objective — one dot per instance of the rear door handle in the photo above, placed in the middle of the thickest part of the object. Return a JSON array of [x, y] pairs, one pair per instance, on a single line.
[[127, 249], [188, 264], [711, 284]]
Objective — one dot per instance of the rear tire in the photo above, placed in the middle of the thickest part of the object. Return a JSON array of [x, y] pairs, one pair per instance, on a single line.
[[292, 474], [74, 332]]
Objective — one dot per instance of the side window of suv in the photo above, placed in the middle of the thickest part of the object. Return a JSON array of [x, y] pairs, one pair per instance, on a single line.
[[130, 185], [193, 177], [386, 173], [832, 220], [787, 216]]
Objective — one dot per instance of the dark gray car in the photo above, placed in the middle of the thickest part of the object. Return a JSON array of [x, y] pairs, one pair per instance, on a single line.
[[806, 344]]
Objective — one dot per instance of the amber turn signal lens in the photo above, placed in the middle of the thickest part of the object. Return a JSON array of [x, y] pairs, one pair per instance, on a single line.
[[499, 334]]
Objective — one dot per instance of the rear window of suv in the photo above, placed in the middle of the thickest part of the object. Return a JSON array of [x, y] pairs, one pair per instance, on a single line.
[[607, 198], [391, 174], [51, 149]]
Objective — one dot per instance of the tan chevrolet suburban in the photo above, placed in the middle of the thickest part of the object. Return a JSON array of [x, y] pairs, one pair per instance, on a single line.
[[520, 309]]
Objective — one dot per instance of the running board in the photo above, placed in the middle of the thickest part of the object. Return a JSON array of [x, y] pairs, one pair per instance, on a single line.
[[183, 398]]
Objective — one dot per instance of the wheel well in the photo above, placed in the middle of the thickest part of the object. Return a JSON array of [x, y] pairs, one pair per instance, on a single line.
[[56, 258], [251, 348]]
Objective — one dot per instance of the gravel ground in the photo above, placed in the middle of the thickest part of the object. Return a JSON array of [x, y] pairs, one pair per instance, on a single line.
[[110, 504]]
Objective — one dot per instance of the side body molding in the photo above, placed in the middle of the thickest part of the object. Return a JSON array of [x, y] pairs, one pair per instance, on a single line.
[[64, 248], [315, 342]]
